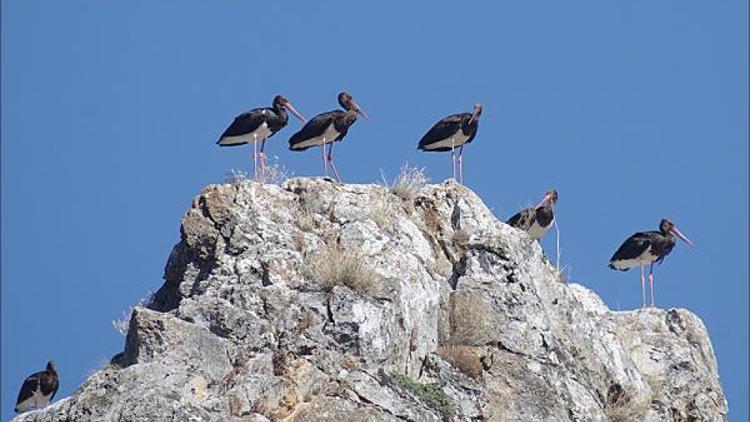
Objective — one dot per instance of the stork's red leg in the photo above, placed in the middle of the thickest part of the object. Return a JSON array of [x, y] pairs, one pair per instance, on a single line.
[[325, 161], [461, 164], [651, 282], [255, 156], [262, 161], [333, 166], [453, 158], [643, 288]]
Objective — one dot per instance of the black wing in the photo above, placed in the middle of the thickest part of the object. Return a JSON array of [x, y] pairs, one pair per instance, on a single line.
[[29, 386], [246, 123], [443, 129], [52, 385], [315, 127], [633, 247], [522, 219]]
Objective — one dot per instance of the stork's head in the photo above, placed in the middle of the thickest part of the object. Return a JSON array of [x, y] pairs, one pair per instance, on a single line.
[[550, 197], [477, 112], [280, 101], [667, 227], [347, 103]]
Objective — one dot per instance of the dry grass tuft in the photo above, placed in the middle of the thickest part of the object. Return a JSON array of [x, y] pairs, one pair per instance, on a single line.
[[122, 324], [465, 358], [274, 174], [624, 405], [383, 210], [468, 319], [431, 219], [334, 265], [408, 183]]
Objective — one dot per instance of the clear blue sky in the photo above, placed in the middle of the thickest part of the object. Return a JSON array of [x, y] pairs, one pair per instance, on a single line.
[[633, 110]]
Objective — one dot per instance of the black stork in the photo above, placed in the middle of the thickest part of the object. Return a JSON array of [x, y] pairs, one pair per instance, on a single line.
[[327, 128], [256, 125], [38, 389], [647, 248], [453, 131], [536, 221]]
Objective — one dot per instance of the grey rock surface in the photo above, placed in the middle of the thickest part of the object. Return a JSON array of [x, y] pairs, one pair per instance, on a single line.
[[313, 301]]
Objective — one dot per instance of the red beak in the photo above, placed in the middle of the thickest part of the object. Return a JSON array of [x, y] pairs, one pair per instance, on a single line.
[[359, 110], [289, 107], [681, 236], [474, 115]]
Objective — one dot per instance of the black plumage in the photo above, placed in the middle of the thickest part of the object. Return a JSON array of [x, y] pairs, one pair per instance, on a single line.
[[445, 129], [38, 389], [647, 248], [536, 221], [335, 120], [241, 131], [450, 133], [654, 243], [327, 128]]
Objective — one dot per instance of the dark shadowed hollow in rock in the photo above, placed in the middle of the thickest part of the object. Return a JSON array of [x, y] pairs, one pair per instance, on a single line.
[[313, 301]]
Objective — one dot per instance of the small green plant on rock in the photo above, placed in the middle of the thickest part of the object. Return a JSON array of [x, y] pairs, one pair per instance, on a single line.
[[431, 394]]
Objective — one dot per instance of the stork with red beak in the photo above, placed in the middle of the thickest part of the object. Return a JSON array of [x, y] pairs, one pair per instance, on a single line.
[[450, 133], [327, 128], [536, 221], [647, 248], [256, 125]]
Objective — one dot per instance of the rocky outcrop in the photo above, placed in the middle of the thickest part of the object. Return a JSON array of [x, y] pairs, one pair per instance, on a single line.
[[313, 301]]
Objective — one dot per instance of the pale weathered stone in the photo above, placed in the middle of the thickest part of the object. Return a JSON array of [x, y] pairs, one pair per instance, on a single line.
[[242, 330]]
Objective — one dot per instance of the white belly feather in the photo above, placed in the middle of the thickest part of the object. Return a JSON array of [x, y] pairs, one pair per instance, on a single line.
[[456, 140], [327, 137], [644, 258], [259, 134], [36, 401], [536, 231]]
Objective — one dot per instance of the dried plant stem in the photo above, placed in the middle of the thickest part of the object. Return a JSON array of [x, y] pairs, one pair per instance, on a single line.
[[558, 250]]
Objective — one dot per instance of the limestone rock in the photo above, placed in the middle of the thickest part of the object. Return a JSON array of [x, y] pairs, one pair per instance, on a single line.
[[313, 301]]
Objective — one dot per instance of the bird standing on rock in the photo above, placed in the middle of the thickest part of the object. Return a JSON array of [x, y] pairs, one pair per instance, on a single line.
[[258, 125], [453, 131], [536, 221], [327, 128], [38, 389], [647, 248]]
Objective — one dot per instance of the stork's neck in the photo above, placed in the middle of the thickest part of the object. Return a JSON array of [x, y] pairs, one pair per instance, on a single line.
[[466, 124], [547, 205], [281, 112], [546, 209]]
